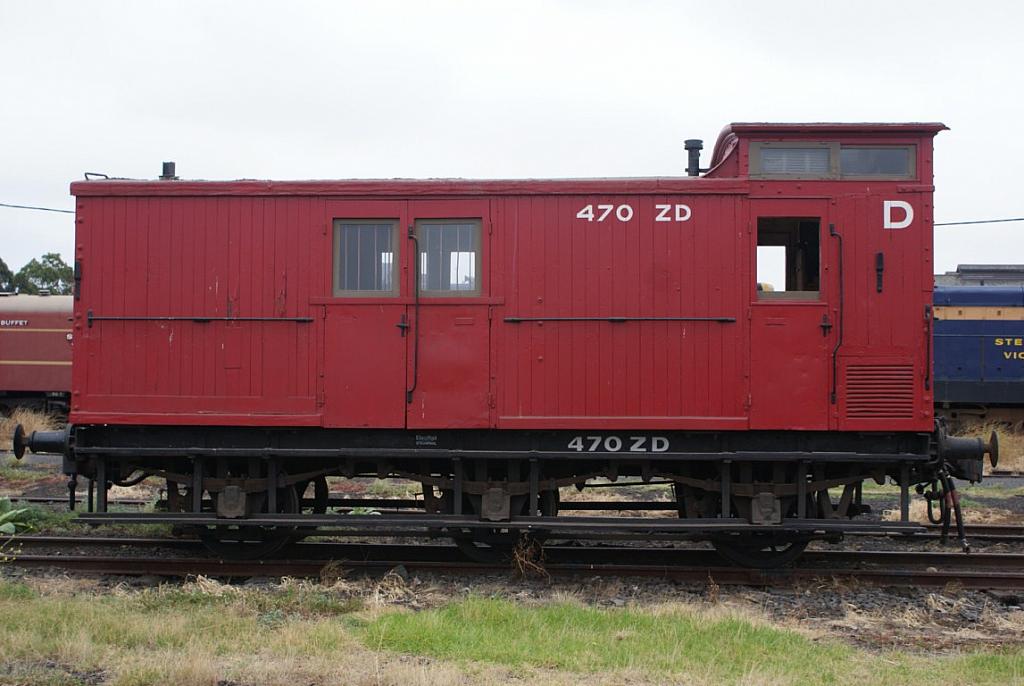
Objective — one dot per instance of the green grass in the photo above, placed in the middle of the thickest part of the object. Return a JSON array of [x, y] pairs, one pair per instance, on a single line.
[[582, 639], [203, 633], [15, 473], [388, 488], [40, 519], [991, 490], [165, 635], [684, 644]]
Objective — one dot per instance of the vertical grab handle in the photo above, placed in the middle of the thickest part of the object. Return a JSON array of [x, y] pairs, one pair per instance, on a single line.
[[839, 338], [928, 318], [416, 313]]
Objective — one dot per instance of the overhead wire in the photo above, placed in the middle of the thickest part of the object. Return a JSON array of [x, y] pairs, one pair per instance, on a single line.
[[33, 207], [980, 221]]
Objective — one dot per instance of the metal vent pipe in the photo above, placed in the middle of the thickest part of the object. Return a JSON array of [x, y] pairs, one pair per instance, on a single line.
[[693, 147]]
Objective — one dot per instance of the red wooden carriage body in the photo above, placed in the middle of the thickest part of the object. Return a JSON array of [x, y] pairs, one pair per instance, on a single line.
[[218, 302]]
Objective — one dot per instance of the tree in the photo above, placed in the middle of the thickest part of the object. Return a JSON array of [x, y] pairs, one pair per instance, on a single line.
[[6, 277], [49, 272]]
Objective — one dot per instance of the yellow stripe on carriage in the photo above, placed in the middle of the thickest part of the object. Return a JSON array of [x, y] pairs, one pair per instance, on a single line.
[[978, 313]]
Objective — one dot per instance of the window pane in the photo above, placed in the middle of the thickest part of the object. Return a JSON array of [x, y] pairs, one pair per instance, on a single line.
[[809, 161], [365, 259], [892, 161], [449, 256]]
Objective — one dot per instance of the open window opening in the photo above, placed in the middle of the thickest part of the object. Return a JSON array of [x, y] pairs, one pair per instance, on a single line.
[[788, 258]]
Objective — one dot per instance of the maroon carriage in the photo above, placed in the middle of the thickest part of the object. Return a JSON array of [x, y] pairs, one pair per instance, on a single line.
[[497, 340], [35, 352]]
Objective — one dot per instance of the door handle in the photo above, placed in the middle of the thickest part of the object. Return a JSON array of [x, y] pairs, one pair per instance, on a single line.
[[826, 325], [403, 325]]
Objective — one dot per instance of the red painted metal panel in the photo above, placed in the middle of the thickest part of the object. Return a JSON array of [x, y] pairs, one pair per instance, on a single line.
[[594, 329], [887, 327], [365, 365], [789, 367], [452, 384], [144, 259]]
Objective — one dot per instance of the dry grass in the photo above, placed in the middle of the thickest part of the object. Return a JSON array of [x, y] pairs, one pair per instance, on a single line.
[[30, 420], [918, 511], [625, 493], [528, 559], [973, 514], [990, 515], [933, 625]]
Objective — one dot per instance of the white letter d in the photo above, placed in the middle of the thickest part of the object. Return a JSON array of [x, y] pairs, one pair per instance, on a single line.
[[887, 221]]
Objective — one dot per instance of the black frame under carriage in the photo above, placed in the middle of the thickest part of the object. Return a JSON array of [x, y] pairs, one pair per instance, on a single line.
[[733, 465], [757, 488]]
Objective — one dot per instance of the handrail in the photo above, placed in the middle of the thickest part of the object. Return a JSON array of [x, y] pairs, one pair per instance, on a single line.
[[90, 318], [618, 320]]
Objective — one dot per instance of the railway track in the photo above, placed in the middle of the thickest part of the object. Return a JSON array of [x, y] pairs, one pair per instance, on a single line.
[[342, 504], [1006, 474], [311, 559]]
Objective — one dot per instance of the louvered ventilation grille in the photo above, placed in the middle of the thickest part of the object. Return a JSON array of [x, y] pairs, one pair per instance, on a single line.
[[882, 391]]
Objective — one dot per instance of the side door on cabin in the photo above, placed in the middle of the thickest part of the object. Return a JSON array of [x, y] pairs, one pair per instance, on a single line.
[[792, 328], [449, 344], [367, 323], [407, 335]]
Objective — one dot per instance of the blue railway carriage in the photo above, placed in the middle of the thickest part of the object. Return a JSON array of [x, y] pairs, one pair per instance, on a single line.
[[979, 350]]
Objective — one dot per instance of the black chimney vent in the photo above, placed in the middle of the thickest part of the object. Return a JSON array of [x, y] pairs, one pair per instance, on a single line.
[[168, 173], [693, 147]]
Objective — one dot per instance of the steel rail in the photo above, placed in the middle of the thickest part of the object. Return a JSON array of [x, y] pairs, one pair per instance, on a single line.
[[595, 554], [320, 550], [342, 548], [185, 567]]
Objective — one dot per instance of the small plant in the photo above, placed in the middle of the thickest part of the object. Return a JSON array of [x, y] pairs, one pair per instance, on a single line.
[[363, 511], [711, 590], [272, 618], [13, 520]]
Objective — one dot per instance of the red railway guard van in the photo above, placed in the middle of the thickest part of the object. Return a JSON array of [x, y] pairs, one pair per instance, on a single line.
[[497, 340]]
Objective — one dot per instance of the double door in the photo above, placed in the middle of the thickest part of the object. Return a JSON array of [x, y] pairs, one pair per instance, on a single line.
[[407, 334]]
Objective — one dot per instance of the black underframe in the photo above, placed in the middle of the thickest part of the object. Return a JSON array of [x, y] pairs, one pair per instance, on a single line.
[[467, 461]]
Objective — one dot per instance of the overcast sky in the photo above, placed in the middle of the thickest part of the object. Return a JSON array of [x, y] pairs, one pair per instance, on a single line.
[[293, 90]]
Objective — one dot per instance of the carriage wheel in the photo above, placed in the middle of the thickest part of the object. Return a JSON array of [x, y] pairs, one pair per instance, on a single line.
[[242, 542]]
